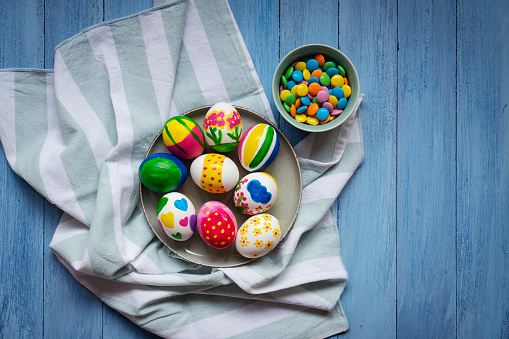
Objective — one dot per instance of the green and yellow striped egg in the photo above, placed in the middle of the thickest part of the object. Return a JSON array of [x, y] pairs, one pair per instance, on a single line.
[[183, 137], [258, 147]]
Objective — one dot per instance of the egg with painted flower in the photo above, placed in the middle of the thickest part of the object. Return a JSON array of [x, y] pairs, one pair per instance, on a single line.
[[258, 235], [258, 147], [255, 193], [223, 127], [183, 137], [216, 224], [214, 173], [176, 216]]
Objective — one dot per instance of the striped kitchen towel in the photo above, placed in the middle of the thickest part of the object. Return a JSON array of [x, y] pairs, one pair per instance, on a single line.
[[78, 133]]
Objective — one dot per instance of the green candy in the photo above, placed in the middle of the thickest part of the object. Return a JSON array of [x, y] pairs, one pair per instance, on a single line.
[[328, 65], [286, 107], [315, 100], [284, 82], [325, 79], [290, 99], [341, 70], [288, 72]]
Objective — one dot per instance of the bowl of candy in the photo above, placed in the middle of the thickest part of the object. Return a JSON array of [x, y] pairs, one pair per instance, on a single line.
[[315, 88]]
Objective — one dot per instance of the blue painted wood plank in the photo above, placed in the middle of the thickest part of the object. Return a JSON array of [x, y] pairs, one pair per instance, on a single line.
[[21, 228], [483, 170], [63, 19], [295, 32], [79, 312], [261, 36], [367, 205], [426, 170]]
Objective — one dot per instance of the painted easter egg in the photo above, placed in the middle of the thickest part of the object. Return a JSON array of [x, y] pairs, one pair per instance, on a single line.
[[216, 224], [183, 137], [258, 235], [258, 147], [162, 172], [223, 127], [176, 216], [255, 193], [214, 173]]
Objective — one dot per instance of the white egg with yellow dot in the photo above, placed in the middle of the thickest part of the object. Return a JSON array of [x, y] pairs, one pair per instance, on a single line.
[[258, 236]]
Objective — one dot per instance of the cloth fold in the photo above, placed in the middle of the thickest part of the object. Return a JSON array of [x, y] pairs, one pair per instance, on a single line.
[[78, 133]]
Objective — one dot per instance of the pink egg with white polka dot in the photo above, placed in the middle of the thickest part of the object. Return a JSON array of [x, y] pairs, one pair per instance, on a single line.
[[214, 173]]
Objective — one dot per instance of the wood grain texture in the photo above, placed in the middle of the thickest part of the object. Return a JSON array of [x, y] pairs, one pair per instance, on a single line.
[[424, 221], [483, 170], [21, 210], [367, 205], [78, 311], [258, 22], [426, 170]]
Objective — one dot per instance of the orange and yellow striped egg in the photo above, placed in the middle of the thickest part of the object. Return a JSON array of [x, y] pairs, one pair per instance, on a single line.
[[183, 137], [258, 147], [214, 173]]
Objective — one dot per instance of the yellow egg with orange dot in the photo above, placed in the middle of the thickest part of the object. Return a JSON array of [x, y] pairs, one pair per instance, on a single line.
[[214, 173], [216, 224]]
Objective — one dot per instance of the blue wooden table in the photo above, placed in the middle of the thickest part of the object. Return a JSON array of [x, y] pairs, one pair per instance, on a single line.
[[424, 222]]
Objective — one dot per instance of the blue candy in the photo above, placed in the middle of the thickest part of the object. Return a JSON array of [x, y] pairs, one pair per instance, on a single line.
[[305, 101], [342, 103], [332, 71], [313, 79], [311, 65], [291, 84], [297, 76], [322, 114], [338, 92], [302, 109]]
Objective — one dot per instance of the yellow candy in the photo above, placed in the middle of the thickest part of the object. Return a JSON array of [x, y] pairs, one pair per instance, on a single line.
[[294, 90], [301, 117], [337, 81], [312, 121], [302, 90], [347, 90], [284, 94], [300, 66], [306, 74], [333, 100]]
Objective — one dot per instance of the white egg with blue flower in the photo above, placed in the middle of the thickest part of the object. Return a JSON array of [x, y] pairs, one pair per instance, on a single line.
[[255, 193]]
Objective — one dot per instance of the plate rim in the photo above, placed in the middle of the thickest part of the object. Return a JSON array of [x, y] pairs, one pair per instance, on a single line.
[[300, 185]]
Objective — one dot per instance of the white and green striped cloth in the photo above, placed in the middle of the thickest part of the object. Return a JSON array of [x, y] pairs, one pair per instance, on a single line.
[[78, 133]]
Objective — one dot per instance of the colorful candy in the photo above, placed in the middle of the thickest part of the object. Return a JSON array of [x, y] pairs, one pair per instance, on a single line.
[[162, 172], [314, 90]]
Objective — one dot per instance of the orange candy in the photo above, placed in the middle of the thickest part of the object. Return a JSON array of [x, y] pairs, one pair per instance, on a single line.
[[320, 59], [312, 108], [314, 88], [298, 103], [293, 111], [317, 73], [346, 80]]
